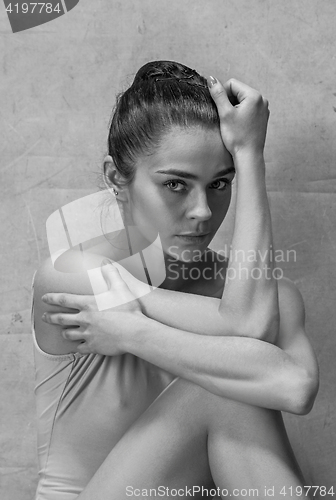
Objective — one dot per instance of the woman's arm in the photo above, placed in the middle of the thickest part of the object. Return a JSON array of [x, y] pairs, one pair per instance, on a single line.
[[251, 286], [186, 311], [281, 377]]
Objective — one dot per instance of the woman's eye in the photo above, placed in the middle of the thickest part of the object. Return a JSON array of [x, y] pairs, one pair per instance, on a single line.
[[221, 184], [179, 186], [173, 184]]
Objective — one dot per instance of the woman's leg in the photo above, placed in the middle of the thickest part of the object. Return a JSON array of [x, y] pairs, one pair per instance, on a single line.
[[186, 435], [249, 452]]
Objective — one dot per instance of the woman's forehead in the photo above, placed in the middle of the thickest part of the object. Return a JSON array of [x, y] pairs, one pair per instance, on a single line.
[[190, 147]]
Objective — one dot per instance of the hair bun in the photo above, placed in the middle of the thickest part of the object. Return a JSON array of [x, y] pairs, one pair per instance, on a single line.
[[168, 70]]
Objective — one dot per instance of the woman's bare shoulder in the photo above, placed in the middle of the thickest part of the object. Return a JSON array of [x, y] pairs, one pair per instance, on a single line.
[[69, 275]]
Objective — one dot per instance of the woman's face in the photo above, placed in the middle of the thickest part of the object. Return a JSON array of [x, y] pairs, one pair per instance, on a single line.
[[182, 190]]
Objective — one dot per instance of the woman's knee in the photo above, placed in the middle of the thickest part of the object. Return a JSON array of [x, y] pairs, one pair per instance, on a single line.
[[218, 411]]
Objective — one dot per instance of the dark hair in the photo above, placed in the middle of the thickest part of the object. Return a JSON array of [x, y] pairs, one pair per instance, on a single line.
[[163, 94]]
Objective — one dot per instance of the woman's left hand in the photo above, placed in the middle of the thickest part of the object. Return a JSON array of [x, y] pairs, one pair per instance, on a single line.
[[102, 332]]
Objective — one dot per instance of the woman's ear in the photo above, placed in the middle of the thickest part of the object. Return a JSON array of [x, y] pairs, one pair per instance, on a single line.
[[112, 178]]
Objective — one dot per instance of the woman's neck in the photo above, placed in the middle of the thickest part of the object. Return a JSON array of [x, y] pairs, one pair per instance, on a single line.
[[181, 275], [123, 245]]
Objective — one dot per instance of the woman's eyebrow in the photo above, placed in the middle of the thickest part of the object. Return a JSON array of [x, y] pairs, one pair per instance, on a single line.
[[188, 175]]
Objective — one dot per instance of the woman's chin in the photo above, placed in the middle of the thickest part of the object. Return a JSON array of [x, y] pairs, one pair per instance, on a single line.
[[185, 254]]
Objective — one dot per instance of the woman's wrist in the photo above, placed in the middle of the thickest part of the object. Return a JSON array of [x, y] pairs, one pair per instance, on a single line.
[[135, 335], [251, 180], [249, 160]]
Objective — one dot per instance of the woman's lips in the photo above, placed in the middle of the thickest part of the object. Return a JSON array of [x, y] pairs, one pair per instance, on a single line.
[[193, 238]]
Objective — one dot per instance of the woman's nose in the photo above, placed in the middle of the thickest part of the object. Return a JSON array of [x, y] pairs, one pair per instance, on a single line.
[[198, 207]]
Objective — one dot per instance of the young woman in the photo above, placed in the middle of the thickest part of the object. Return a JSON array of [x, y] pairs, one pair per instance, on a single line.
[[179, 389]]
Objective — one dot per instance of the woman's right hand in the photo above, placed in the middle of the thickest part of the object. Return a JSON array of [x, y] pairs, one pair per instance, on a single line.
[[243, 114]]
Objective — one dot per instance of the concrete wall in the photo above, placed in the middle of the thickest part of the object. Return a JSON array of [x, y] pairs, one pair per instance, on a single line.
[[58, 85]]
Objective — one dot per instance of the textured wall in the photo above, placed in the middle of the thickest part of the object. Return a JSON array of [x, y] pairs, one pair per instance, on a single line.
[[58, 85]]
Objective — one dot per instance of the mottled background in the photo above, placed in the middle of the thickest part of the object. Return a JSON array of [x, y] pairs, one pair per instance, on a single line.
[[58, 87]]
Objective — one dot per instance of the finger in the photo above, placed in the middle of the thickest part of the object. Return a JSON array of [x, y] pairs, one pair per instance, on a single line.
[[61, 319], [112, 275], [219, 95], [73, 334], [238, 90], [72, 301]]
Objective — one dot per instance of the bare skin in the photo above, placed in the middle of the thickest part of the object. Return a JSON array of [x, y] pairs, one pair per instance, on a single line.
[[190, 434]]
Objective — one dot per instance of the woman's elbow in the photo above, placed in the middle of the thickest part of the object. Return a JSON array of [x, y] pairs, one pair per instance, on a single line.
[[304, 393]]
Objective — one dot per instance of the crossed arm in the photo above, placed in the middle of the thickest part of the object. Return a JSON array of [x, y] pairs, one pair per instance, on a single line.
[[185, 335]]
